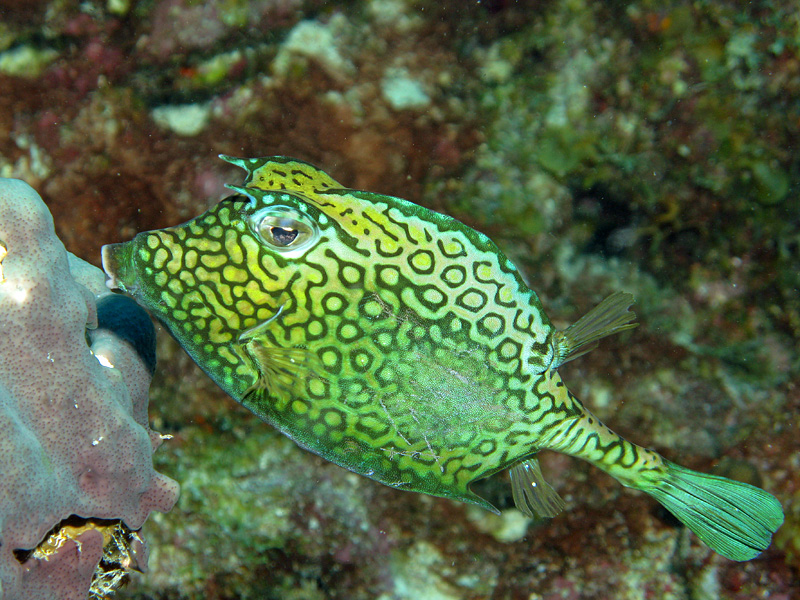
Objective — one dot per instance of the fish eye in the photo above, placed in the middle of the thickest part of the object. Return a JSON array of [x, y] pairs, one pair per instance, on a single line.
[[283, 232], [283, 236], [285, 229]]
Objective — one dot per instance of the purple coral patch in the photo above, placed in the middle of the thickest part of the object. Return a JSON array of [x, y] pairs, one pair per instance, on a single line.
[[74, 437]]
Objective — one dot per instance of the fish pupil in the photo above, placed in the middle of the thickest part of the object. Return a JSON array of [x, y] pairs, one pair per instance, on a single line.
[[283, 236]]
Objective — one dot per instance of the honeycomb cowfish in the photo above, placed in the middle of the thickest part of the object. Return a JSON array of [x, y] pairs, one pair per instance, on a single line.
[[402, 345]]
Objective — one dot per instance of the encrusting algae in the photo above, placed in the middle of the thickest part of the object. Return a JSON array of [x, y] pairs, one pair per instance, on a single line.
[[403, 345]]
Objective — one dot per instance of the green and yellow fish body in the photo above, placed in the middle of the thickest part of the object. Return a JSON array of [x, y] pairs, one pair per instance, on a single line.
[[400, 344]]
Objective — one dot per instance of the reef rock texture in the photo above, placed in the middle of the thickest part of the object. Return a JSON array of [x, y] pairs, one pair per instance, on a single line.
[[74, 437]]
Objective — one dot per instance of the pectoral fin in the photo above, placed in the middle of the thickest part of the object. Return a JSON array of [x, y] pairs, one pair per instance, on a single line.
[[281, 372]]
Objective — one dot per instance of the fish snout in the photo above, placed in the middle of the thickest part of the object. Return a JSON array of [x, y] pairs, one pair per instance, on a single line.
[[117, 265]]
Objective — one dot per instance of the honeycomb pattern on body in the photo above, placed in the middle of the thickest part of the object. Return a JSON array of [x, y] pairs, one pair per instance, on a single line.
[[402, 344]]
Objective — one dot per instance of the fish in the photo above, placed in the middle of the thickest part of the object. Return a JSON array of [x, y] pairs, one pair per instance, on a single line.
[[402, 345]]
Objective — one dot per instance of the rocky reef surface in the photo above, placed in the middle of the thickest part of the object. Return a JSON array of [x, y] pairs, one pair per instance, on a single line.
[[639, 146]]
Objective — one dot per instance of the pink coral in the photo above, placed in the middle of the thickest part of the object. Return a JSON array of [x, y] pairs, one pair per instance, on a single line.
[[74, 438]]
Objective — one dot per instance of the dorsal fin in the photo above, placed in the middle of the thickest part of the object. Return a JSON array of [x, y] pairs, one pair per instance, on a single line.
[[283, 173], [607, 318]]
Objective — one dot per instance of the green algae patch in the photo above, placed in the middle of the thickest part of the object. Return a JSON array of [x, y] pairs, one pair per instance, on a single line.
[[26, 61]]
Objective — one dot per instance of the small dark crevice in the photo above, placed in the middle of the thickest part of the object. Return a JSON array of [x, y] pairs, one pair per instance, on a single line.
[[611, 221]]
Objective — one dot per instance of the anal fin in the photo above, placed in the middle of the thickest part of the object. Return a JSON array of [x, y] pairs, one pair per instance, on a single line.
[[607, 318], [533, 496]]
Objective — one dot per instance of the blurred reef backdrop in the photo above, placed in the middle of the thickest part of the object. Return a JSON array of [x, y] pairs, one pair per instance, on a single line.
[[645, 146]]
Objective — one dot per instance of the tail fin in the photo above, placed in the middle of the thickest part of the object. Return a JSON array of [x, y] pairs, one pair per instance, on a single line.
[[735, 519]]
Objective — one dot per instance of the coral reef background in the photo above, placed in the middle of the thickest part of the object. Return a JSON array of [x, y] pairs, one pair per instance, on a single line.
[[641, 146]]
